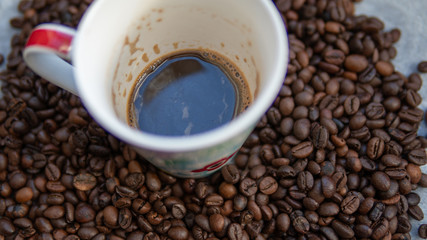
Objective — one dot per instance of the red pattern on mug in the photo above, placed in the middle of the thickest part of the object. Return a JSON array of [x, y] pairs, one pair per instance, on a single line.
[[51, 39], [215, 165]]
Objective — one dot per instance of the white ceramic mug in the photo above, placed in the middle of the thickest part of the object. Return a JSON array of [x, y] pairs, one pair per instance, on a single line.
[[117, 39]]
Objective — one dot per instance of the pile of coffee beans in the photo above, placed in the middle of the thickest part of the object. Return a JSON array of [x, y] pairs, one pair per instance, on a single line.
[[336, 156]]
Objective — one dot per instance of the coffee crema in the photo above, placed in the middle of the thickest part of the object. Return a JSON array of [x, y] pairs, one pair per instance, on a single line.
[[187, 92]]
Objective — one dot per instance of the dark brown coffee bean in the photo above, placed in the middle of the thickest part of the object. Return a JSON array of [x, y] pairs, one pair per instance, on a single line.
[[267, 185], [416, 212], [230, 173], [422, 66], [178, 211], [305, 181], [55, 186], [350, 204], [380, 228], [153, 182], [384, 68], [126, 192], [414, 172], [135, 180], [376, 212], [203, 222], [43, 225], [6, 227], [320, 136], [342, 229], [54, 212], [84, 213], [235, 232], [417, 156], [381, 181], [52, 172], [351, 105], [334, 56], [328, 209], [302, 150], [301, 128], [403, 226], [413, 199], [422, 231], [411, 115], [84, 181], [330, 125], [248, 187], [23, 195], [390, 160], [17, 179], [356, 63], [178, 233], [375, 148], [283, 222], [216, 222], [301, 224], [216, 199]]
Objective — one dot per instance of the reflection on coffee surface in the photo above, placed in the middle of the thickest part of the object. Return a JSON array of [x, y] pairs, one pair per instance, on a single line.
[[187, 93]]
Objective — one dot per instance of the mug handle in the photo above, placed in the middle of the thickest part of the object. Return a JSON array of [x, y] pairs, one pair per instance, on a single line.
[[48, 53]]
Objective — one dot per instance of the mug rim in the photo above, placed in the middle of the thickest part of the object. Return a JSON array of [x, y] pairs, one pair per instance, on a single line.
[[237, 126]]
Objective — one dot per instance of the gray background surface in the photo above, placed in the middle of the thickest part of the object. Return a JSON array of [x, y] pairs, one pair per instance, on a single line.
[[407, 15]]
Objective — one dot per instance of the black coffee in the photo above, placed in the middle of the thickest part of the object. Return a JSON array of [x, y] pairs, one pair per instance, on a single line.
[[187, 93]]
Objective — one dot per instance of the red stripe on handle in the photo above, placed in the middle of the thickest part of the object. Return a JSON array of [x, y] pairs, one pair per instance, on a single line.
[[55, 40]]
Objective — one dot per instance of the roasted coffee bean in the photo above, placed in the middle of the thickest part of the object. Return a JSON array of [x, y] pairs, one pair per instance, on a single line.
[[23, 195], [417, 156], [230, 173], [216, 222], [380, 228], [381, 181], [403, 226], [153, 182], [178, 211], [375, 148], [84, 181], [342, 229], [350, 204], [328, 186], [416, 212], [320, 136], [411, 115], [334, 56], [301, 224], [178, 233], [356, 63], [376, 211], [302, 150], [328, 209], [217, 200], [422, 66], [6, 227], [422, 231], [84, 213], [52, 172], [248, 187], [235, 232], [267, 185], [54, 212]]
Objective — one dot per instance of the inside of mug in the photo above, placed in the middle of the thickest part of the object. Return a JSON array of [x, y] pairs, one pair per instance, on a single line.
[[171, 26], [117, 40]]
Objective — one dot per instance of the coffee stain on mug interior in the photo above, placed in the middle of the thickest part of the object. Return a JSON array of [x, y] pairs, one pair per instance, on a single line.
[[156, 49], [145, 57], [132, 45]]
